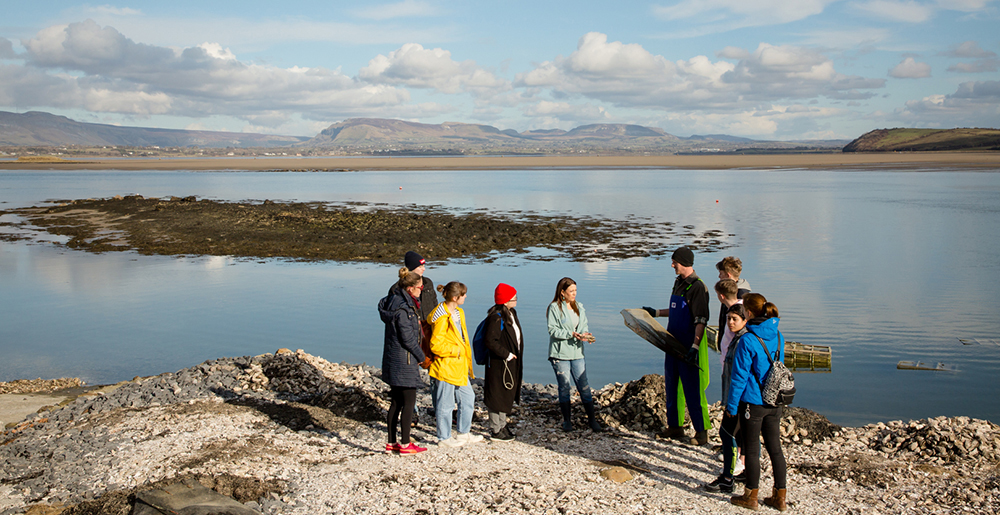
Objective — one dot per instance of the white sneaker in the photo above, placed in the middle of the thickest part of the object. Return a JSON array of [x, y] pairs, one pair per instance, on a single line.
[[467, 438], [453, 441], [739, 467]]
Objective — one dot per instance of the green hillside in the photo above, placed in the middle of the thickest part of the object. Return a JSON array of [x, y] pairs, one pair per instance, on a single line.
[[921, 140]]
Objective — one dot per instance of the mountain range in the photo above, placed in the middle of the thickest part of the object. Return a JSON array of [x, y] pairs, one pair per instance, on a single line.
[[377, 135]]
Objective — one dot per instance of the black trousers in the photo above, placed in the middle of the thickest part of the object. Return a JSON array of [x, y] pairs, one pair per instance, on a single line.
[[401, 412], [763, 421]]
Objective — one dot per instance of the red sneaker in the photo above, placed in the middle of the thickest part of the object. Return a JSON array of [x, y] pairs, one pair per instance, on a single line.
[[411, 449], [391, 448]]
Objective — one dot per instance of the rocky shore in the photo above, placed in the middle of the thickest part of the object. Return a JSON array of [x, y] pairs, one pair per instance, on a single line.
[[292, 433]]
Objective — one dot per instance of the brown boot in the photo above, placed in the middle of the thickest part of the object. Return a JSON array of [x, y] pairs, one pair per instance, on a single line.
[[777, 499], [747, 500], [674, 432], [700, 438]]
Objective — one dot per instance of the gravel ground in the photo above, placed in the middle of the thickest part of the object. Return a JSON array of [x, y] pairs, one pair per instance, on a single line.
[[291, 433]]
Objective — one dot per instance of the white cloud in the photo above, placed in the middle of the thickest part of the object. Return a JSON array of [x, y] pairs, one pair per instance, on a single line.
[[782, 72], [415, 66], [909, 68], [567, 112], [793, 121], [751, 12], [261, 32], [627, 75], [974, 104], [7, 49], [731, 52], [845, 38], [969, 49], [980, 66], [986, 61], [115, 11], [713, 16], [907, 11], [404, 9], [964, 5], [122, 76]]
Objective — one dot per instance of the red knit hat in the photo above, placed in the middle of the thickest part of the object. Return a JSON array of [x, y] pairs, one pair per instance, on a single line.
[[503, 293]]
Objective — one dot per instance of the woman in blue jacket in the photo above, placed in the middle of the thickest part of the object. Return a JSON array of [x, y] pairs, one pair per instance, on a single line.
[[750, 366]]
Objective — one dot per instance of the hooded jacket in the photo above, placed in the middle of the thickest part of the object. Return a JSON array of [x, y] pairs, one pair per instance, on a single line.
[[452, 353], [750, 365], [401, 354], [428, 296]]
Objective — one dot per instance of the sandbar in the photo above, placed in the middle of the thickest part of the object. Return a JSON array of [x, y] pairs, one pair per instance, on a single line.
[[861, 161]]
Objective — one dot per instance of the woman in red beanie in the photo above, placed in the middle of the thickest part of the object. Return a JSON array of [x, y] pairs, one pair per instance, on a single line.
[[504, 369]]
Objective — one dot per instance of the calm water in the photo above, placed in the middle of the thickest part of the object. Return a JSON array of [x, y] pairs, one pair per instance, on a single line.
[[881, 266]]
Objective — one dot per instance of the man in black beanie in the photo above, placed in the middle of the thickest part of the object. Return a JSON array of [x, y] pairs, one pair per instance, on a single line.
[[428, 296], [688, 314]]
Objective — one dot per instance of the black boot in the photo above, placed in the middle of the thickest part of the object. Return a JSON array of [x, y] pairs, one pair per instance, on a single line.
[[565, 408], [591, 420]]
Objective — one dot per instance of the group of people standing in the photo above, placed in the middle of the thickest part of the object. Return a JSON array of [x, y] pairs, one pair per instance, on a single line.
[[420, 332]]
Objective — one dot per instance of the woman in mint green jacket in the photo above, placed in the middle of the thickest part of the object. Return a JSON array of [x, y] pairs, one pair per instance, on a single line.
[[567, 322]]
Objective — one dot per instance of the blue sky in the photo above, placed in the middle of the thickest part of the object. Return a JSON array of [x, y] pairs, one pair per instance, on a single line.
[[769, 69]]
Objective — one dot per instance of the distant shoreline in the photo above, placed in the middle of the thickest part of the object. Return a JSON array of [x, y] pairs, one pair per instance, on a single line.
[[891, 160]]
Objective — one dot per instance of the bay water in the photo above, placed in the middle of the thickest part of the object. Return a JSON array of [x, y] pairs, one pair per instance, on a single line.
[[879, 265]]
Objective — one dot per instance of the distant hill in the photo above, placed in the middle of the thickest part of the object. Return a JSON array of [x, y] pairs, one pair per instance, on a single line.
[[380, 136], [360, 132], [364, 133], [916, 140], [36, 128]]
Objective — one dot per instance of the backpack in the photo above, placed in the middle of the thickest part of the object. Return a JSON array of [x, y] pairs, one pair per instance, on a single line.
[[479, 350], [778, 386]]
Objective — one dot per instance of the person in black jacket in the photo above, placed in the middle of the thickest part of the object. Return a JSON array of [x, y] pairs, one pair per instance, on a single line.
[[413, 262], [402, 358], [505, 342]]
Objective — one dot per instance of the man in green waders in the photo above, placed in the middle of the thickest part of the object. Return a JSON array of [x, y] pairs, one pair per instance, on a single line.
[[688, 315]]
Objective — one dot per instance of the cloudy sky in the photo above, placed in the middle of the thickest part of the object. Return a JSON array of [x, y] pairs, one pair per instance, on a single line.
[[770, 69]]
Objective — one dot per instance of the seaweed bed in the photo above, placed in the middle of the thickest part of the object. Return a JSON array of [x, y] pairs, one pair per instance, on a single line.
[[344, 232]]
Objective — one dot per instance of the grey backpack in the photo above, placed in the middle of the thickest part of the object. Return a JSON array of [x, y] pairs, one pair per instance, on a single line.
[[778, 386]]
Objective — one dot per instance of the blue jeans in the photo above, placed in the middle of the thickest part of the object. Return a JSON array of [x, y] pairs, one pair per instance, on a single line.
[[444, 396], [577, 368]]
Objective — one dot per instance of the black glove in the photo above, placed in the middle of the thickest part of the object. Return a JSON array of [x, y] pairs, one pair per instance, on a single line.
[[692, 355], [651, 311]]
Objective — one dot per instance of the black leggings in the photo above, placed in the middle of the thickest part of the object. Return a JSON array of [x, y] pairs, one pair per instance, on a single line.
[[767, 422], [403, 399]]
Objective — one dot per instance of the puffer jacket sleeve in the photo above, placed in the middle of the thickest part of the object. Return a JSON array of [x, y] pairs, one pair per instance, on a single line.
[[741, 374], [408, 328]]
